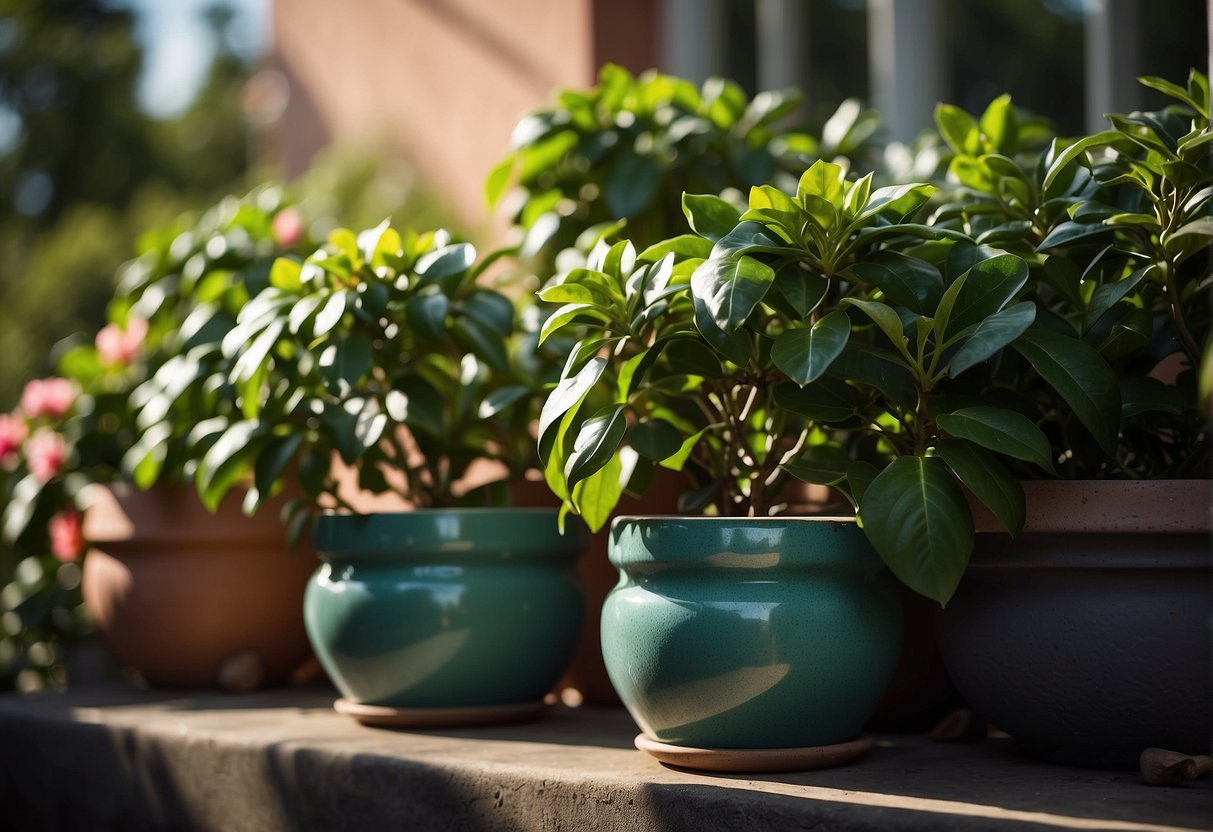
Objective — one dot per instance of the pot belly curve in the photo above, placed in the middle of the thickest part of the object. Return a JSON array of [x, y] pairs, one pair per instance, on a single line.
[[769, 634]]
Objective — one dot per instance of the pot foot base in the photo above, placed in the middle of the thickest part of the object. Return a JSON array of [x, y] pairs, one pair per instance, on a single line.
[[384, 716], [754, 759]]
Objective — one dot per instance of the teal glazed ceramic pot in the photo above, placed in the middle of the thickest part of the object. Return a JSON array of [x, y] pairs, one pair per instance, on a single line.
[[447, 608], [749, 632]]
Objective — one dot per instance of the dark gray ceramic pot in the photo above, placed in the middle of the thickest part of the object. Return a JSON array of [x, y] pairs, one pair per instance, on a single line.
[[1088, 647]]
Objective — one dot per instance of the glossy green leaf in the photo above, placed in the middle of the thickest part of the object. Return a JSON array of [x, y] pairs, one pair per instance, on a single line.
[[1078, 373], [802, 289], [331, 313], [492, 310], [1002, 431], [500, 400], [917, 518], [1142, 395], [678, 460], [988, 288], [884, 317], [731, 288], [958, 129], [905, 281], [735, 346], [825, 400], [1000, 125], [345, 361], [824, 180], [445, 262], [992, 335], [1069, 233], [683, 247], [988, 479], [226, 461], [805, 354], [749, 238], [709, 216], [272, 462], [596, 442], [426, 314], [569, 394], [656, 439], [817, 471], [897, 201], [486, 344]]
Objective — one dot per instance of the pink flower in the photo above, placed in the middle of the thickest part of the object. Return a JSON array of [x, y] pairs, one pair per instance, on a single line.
[[45, 453], [288, 227], [13, 432], [116, 347], [49, 397], [67, 537]]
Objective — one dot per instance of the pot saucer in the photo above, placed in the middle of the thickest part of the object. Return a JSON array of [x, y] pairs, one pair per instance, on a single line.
[[755, 759], [384, 716]]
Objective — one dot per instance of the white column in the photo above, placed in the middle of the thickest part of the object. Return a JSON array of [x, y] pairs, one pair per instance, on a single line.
[[1113, 59], [693, 38], [905, 60], [783, 43]]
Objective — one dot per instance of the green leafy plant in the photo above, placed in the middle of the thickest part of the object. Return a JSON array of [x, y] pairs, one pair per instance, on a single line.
[[629, 147], [807, 337], [1020, 332], [118, 409], [382, 350], [1115, 228]]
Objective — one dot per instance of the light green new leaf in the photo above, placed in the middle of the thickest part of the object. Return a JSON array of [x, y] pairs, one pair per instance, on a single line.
[[284, 275], [824, 180], [918, 520], [596, 496], [1002, 431]]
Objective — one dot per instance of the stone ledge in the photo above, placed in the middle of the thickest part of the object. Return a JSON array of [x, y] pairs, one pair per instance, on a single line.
[[115, 758]]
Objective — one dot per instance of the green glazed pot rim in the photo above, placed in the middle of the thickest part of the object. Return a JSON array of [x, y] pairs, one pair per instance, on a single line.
[[725, 521], [741, 542], [480, 534]]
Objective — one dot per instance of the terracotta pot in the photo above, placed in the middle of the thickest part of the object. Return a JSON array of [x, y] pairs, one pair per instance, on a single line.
[[191, 599], [1087, 637]]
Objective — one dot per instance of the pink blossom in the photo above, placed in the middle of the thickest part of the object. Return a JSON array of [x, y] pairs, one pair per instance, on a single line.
[[45, 453], [116, 347], [288, 228], [13, 432], [49, 397], [66, 534]]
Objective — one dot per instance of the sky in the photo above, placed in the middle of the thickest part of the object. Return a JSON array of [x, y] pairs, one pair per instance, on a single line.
[[177, 46]]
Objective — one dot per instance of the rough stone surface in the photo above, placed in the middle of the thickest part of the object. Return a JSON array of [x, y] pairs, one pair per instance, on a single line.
[[112, 758]]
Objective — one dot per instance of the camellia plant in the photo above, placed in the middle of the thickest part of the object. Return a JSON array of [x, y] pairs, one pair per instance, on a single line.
[[111, 414], [380, 350]]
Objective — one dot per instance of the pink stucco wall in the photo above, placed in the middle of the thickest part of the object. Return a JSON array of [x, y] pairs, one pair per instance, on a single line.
[[442, 82]]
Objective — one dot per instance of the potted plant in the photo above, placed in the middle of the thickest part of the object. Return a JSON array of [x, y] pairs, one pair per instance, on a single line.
[[116, 418], [383, 351], [619, 156], [745, 356], [1086, 638]]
